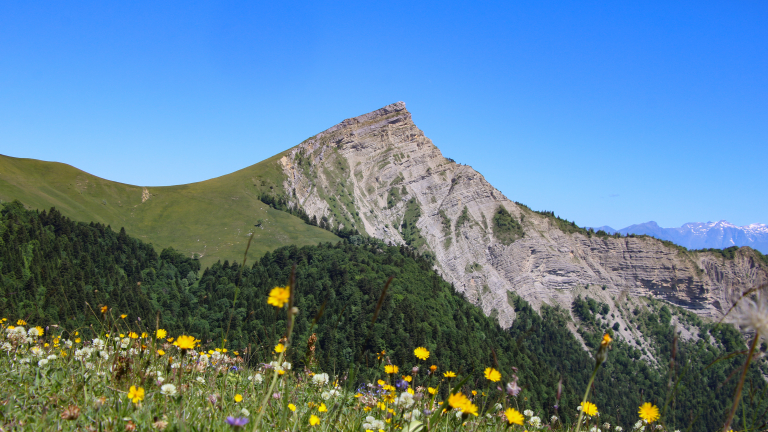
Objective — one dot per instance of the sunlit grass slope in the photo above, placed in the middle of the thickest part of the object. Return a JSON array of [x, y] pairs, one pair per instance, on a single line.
[[210, 218]]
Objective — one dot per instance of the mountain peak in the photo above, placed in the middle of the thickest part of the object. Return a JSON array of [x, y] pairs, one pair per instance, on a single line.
[[391, 110]]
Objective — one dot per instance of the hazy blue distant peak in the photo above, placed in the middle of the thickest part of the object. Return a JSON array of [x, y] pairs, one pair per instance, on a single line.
[[703, 235]]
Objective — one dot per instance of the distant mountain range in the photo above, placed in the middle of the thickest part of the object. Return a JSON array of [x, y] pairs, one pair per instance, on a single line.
[[701, 235]]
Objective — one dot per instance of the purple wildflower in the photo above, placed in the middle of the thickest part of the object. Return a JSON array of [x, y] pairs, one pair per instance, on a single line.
[[401, 384], [238, 422]]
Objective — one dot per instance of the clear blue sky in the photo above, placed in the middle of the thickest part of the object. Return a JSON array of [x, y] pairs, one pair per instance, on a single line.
[[605, 112]]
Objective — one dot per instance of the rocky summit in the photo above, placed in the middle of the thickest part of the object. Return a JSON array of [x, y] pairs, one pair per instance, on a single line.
[[381, 175]]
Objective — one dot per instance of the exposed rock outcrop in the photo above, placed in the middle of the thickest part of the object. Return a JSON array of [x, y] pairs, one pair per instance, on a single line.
[[380, 174]]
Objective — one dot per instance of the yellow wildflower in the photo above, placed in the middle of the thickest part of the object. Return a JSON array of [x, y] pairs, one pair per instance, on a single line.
[[314, 420], [391, 369], [279, 296], [450, 374], [432, 390], [322, 408], [133, 335], [185, 342], [279, 348], [136, 395], [606, 339], [589, 408], [421, 353], [292, 407], [492, 374], [161, 334], [648, 412], [514, 416], [238, 398], [160, 352], [123, 316]]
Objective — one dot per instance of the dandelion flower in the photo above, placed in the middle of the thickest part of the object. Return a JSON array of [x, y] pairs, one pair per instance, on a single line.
[[160, 352], [322, 408], [161, 334], [103, 309], [314, 420], [606, 340], [514, 416], [292, 407], [133, 335], [279, 348], [238, 398], [136, 395], [279, 296], [589, 408], [185, 342], [492, 374], [450, 374], [421, 353], [21, 322], [391, 369], [123, 316], [432, 390], [648, 412], [753, 315]]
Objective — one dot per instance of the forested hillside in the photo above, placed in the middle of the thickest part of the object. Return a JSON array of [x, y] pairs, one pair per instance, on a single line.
[[56, 271]]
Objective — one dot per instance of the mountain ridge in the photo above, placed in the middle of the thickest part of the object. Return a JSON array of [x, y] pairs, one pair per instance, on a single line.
[[379, 173], [703, 235]]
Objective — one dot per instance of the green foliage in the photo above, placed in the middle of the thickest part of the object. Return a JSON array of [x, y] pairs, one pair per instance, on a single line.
[[56, 271], [410, 232], [393, 198], [463, 217], [506, 228]]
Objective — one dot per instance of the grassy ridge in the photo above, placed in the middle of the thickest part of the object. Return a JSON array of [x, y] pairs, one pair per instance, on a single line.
[[210, 218]]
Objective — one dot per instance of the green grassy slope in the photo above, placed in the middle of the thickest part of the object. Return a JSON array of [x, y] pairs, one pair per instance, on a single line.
[[211, 218]]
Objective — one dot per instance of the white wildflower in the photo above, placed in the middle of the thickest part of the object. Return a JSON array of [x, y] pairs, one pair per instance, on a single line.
[[527, 413], [619, 429], [201, 380], [535, 421], [286, 366], [36, 350], [7, 347], [42, 362], [320, 379], [168, 389], [33, 332], [68, 343], [245, 412], [258, 378], [373, 424], [52, 357], [753, 315], [405, 399], [498, 407], [98, 344]]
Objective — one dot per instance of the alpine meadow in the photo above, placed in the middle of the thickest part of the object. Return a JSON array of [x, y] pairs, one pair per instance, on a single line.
[[360, 281]]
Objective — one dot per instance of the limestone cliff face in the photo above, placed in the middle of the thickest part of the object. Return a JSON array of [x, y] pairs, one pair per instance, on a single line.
[[380, 174]]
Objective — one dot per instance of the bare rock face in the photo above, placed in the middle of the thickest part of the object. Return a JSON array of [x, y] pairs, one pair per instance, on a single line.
[[380, 174]]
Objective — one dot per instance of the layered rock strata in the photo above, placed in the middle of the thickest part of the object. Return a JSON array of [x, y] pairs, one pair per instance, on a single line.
[[380, 174]]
